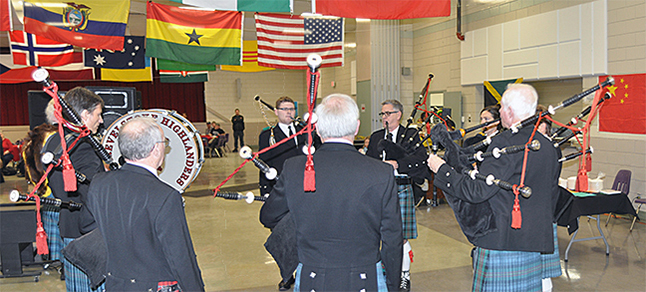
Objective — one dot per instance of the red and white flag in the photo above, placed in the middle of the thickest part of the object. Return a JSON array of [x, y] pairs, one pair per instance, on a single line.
[[5, 15], [285, 41], [32, 50]]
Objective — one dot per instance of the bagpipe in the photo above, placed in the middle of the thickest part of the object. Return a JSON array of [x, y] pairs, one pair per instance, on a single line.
[[16, 196], [309, 184], [462, 158]]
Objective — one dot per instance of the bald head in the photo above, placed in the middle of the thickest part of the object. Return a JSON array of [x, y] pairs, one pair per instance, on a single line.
[[138, 137]]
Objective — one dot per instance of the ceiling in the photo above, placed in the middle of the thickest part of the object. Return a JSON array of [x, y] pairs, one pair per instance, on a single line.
[[137, 18]]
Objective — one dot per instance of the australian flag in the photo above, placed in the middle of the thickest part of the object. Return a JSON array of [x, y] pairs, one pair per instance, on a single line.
[[132, 56]]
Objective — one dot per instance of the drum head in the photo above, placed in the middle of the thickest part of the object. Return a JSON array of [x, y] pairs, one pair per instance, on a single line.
[[184, 154]]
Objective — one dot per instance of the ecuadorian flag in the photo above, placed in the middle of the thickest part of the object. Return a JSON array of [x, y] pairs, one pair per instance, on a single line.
[[95, 24], [194, 36]]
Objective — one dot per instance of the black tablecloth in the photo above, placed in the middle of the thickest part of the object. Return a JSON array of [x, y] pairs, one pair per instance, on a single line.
[[573, 207]]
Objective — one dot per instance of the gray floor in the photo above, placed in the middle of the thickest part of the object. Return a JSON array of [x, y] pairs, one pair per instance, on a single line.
[[229, 241]]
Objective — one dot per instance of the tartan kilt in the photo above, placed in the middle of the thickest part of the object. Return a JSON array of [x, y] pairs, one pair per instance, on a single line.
[[50, 216], [407, 206], [75, 279], [497, 270], [551, 262]]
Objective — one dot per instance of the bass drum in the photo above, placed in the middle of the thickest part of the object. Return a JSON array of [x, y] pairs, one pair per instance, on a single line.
[[184, 154]]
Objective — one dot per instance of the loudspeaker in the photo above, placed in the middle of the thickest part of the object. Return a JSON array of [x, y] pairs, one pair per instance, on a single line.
[[38, 101], [118, 102]]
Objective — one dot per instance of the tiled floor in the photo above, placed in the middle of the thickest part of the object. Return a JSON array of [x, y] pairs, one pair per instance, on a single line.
[[229, 241]]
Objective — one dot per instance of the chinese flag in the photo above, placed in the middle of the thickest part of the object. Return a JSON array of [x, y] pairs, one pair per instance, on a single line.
[[625, 112]]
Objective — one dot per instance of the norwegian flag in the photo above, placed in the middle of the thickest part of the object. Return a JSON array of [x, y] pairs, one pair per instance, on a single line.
[[32, 50]]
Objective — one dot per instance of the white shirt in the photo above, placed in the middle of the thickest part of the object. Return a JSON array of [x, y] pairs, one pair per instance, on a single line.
[[147, 167], [285, 128]]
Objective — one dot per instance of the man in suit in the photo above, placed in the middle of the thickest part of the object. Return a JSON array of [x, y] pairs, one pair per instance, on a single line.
[[508, 257], [396, 147], [142, 219], [349, 229]]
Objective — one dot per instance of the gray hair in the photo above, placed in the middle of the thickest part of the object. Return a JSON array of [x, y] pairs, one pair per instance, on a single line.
[[49, 113], [338, 116], [521, 99], [138, 137], [395, 103]]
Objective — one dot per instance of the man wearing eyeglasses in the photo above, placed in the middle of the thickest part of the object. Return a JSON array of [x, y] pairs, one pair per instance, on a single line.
[[395, 145], [142, 219], [285, 110]]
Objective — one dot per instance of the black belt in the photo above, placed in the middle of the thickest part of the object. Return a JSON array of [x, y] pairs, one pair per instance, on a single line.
[[403, 180]]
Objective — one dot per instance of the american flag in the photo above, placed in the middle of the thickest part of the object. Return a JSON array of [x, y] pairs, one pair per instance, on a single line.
[[285, 41], [32, 50]]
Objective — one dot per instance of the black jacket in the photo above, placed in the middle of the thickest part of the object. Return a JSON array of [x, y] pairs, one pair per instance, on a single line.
[[411, 160]]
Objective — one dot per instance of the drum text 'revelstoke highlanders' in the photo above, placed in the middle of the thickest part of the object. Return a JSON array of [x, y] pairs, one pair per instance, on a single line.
[[190, 152]]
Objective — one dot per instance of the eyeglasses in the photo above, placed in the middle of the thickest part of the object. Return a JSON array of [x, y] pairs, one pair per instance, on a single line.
[[166, 141], [287, 109], [387, 114]]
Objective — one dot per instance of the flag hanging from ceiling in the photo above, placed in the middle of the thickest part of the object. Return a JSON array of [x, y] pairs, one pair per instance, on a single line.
[[5, 15], [94, 24], [493, 90], [285, 41], [194, 36], [32, 50], [23, 75], [163, 64], [625, 112], [128, 75], [131, 57], [249, 60], [243, 5], [384, 9], [170, 76]]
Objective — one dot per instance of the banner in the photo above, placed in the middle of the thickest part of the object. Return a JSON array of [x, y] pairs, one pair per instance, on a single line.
[[131, 57], [243, 5], [285, 41], [23, 75], [170, 76], [5, 15], [32, 50], [170, 65], [194, 36], [493, 90], [128, 75], [249, 60], [94, 24], [625, 112], [384, 9]]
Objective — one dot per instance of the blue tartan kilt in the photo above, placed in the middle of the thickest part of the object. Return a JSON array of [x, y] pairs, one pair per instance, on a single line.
[[496, 270], [75, 279], [50, 216], [551, 262], [407, 206]]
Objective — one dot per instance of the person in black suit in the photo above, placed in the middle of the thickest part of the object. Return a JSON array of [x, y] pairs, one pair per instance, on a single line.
[[285, 110], [349, 229], [487, 114], [397, 148], [84, 159], [142, 219], [507, 257]]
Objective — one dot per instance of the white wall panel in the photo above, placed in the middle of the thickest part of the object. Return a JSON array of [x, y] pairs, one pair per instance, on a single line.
[[480, 37], [548, 58], [587, 38], [520, 57], [478, 71], [466, 46], [495, 53], [528, 72], [510, 36], [600, 36], [569, 59], [569, 24], [538, 30]]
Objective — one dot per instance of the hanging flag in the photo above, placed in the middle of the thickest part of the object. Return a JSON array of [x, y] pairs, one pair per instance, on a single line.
[[131, 57], [243, 5], [32, 50], [285, 41], [194, 36], [128, 75], [170, 65], [625, 112], [170, 76], [23, 75], [5, 15], [249, 60], [384, 9], [94, 24], [493, 90]]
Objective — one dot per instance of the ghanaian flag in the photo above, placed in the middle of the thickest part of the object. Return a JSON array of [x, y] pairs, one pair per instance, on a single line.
[[194, 36]]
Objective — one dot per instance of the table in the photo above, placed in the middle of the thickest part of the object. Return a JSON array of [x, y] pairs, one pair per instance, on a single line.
[[572, 207], [17, 233]]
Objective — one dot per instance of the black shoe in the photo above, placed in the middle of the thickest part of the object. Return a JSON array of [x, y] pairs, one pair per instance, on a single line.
[[404, 284], [284, 286]]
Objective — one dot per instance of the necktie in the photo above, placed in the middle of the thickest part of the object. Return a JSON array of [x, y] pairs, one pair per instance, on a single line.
[[291, 132]]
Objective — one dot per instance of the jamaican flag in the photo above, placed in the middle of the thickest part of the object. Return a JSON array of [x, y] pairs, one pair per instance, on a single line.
[[494, 90]]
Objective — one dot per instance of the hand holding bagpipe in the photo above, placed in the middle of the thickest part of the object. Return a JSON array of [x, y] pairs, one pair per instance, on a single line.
[[270, 172], [248, 197], [491, 180], [16, 196], [42, 76]]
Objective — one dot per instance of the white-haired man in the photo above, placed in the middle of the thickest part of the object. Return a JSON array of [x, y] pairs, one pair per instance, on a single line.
[[508, 256], [349, 229], [142, 219]]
